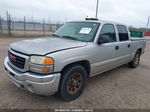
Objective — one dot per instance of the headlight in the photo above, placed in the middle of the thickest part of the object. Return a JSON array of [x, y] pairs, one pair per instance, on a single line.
[[41, 64]]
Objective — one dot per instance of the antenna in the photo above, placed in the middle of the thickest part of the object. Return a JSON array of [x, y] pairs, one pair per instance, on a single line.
[[97, 8]]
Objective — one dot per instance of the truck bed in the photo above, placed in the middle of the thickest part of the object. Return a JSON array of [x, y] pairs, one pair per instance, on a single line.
[[137, 39]]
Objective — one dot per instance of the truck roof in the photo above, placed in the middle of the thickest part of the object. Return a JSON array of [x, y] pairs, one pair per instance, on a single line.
[[98, 21]]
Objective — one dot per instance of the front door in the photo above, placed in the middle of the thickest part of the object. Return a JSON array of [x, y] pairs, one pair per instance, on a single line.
[[106, 54]]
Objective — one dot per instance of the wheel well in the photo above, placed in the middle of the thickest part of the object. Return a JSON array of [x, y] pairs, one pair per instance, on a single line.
[[83, 63]]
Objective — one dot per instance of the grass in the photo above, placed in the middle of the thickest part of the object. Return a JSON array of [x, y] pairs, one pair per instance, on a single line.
[[3, 35]]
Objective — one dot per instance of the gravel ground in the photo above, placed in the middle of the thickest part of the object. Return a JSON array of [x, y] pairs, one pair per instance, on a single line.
[[120, 88]]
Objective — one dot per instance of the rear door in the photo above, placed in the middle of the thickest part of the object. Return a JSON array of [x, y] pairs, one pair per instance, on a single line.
[[125, 44]]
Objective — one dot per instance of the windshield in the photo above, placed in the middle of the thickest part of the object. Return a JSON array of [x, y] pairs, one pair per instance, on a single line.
[[81, 31]]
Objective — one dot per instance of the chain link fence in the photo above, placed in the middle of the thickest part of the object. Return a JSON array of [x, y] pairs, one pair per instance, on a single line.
[[24, 27]]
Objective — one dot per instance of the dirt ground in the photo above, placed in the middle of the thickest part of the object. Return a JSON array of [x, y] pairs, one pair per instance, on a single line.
[[121, 88]]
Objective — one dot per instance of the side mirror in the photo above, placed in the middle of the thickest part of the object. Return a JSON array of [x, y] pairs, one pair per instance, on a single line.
[[102, 39]]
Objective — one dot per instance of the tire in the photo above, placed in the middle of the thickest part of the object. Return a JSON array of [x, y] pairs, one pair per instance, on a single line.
[[135, 62], [73, 82]]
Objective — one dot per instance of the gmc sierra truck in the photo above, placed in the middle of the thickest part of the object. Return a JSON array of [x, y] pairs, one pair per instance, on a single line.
[[63, 62]]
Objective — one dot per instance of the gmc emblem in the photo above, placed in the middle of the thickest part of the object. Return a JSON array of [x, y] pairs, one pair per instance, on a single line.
[[12, 58]]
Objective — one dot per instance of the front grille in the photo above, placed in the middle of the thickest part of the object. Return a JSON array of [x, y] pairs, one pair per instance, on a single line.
[[16, 60]]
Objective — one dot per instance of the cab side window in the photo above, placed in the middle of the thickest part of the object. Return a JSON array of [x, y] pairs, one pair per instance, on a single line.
[[108, 31], [123, 33]]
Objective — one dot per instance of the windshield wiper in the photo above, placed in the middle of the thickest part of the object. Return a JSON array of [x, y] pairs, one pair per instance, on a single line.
[[69, 37], [55, 35]]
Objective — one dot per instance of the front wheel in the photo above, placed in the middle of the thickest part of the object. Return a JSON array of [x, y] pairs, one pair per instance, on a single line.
[[73, 82], [135, 62]]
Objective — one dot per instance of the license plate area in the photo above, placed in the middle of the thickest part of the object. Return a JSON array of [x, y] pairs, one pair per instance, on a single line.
[[12, 74]]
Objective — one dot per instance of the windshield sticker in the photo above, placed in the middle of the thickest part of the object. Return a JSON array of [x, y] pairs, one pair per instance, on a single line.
[[85, 30]]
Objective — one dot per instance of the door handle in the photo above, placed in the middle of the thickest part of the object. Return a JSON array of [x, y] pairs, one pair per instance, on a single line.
[[117, 47], [129, 45]]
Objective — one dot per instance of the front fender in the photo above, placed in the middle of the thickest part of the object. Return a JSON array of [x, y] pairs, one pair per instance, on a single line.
[[63, 58]]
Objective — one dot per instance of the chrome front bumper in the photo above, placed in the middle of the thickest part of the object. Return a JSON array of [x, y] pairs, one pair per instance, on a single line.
[[35, 83]]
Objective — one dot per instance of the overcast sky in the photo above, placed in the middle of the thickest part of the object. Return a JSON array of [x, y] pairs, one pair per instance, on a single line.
[[130, 12]]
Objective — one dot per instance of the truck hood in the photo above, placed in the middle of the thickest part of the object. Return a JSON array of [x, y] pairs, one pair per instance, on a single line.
[[43, 46]]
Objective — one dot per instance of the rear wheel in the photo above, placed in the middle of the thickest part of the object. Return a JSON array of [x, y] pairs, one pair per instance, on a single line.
[[73, 82], [135, 62]]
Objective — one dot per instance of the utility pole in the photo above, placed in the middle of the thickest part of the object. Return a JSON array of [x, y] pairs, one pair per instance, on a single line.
[[97, 8], [148, 22]]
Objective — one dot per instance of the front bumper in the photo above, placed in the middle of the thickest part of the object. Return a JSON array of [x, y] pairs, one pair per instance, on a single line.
[[35, 83]]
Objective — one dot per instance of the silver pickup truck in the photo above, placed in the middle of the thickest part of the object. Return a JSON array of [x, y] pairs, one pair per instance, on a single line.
[[63, 62]]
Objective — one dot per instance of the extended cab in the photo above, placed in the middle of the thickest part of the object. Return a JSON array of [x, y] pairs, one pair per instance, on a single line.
[[63, 62]]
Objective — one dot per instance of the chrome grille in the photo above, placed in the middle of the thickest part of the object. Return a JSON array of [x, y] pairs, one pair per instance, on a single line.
[[16, 60]]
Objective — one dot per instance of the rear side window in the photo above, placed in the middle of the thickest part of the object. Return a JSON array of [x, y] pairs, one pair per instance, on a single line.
[[123, 33], [109, 31]]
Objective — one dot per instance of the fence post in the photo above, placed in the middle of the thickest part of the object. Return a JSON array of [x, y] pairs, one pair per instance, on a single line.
[[33, 23], [12, 24], [43, 27], [49, 22], [9, 24], [50, 28], [25, 26], [1, 28]]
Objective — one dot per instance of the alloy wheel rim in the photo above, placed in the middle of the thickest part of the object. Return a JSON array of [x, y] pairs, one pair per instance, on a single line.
[[74, 83]]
